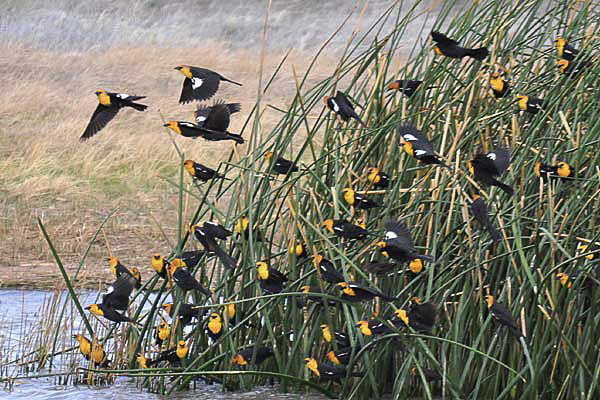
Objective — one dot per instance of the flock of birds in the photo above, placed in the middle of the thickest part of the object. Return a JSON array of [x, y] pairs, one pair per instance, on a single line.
[[212, 123]]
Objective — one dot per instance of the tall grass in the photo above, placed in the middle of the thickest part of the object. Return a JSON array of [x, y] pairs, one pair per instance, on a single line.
[[541, 224]]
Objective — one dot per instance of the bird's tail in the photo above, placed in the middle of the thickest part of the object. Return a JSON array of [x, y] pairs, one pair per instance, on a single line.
[[425, 258], [496, 237], [507, 189], [138, 106], [235, 137], [229, 80], [443, 164], [356, 117], [226, 259], [478, 54], [516, 331], [203, 290]]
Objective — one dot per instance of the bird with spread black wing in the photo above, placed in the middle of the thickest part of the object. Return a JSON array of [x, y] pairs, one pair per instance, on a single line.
[[398, 243], [486, 167], [202, 112], [200, 83], [448, 47], [416, 145]]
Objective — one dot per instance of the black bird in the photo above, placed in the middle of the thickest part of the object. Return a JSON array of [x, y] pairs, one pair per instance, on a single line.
[[561, 170], [358, 201], [192, 258], [378, 178], [565, 50], [174, 355], [327, 270], [109, 105], [416, 145], [328, 372], [342, 107], [281, 165], [341, 339], [201, 172], [342, 356], [479, 211], [188, 129], [270, 280], [571, 69], [450, 48], [202, 112], [185, 280], [199, 83], [206, 237], [398, 243], [244, 357], [502, 315], [352, 291], [530, 104], [422, 316], [215, 230], [117, 295], [406, 86], [109, 313], [486, 167], [378, 268], [345, 229], [186, 312]]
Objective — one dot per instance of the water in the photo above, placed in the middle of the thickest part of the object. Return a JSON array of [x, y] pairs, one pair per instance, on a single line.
[[22, 322]]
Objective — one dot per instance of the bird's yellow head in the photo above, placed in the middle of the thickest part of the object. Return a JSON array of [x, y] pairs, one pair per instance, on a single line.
[[136, 273], [437, 50], [408, 148], [305, 289], [326, 332], [268, 156], [242, 225], [263, 270], [522, 102], [168, 307], [141, 360], [381, 245], [564, 169], [360, 221], [328, 224], [297, 248], [333, 358], [470, 166], [563, 279], [394, 85], [175, 264], [402, 314], [346, 288], [113, 262], [185, 70], [348, 196], [157, 262], [103, 97], [239, 360], [489, 300], [536, 168], [94, 309], [326, 101], [79, 337], [415, 300], [364, 328], [317, 260], [312, 364], [560, 45], [189, 167], [373, 175], [174, 126], [182, 349], [162, 325], [496, 82], [563, 65], [416, 266], [215, 318]]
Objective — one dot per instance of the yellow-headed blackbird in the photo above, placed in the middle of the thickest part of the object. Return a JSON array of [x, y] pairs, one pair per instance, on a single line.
[[162, 333], [201, 172], [341, 339], [564, 279], [242, 227], [352, 291], [137, 276], [416, 145], [298, 249], [92, 352], [344, 229], [215, 230], [448, 47], [398, 244], [281, 165], [342, 107], [185, 280], [142, 361], [160, 265], [565, 50], [374, 327], [188, 129], [592, 253], [174, 355], [271, 281], [202, 112], [192, 258], [407, 87], [530, 104], [199, 83], [206, 237], [380, 267], [109, 105], [499, 86], [186, 312], [378, 178], [109, 313], [502, 315], [422, 316], [244, 357], [327, 270], [117, 295], [571, 69], [342, 356], [479, 211], [117, 268], [430, 375], [560, 170], [358, 201], [328, 372], [486, 167], [215, 326], [360, 221]]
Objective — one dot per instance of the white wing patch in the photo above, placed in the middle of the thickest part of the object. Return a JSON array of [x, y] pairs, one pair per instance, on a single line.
[[188, 124], [409, 138], [420, 152], [389, 235], [200, 118], [122, 95], [196, 82], [336, 108], [491, 156]]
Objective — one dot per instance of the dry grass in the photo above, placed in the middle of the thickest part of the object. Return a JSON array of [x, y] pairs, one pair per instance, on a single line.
[[48, 98]]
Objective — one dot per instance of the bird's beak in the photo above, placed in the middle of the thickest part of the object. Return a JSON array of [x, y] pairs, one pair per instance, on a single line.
[[165, 125], [88, 307], [178, 68]]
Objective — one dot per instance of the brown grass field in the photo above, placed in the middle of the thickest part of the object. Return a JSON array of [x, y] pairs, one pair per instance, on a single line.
[[45, 171]]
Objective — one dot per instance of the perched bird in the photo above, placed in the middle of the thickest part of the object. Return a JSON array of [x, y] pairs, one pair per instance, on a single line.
[[202, 112], [430, 375], [378, 178], [215, 230], [344, 229], [109, 105], [117, 268], [564, 279], [245, 356], [186, 312], [447, 47], [502, 315], [185, 280], [398, 244], [192, 258], [373, 327], [565, 50], [92, 351], [379, 268], [416, 145], [343, 355], [201, 172], [486, 167], [341, 339], [271, 281], [359, 201], [142, 361], [174, 355], [479, 211], [206, 235], [499, 86], [352, 291], [242, 227], [422, 316], [117, 295], [407, 87], [109, 313], [561, 170], [342, 107], [215, 326], [199, 83], [188, 129], [329, 372], [530, 104], [327, 270], [162, 332], [160, 265], [298, 249], [281, 165]]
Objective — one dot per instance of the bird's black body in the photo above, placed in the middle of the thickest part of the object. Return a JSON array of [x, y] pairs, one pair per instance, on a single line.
[[416, 144], [186, 281], [201, 172], [380, 267], [202, 112], [206, 235], [117, 295], [486, 167], [283, 166], [108, 106], [200, 83], [354, 292], [407, 87], [479, 211], [245, 355], [501, 314], [348, 230], [450, 48], [328, 271], [340, 105]]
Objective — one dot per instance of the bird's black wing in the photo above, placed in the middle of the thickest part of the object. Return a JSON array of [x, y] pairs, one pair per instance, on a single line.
[[204, 83], [397, 232], [187, 93], [101, 116], [218, 118], [343, 101], [500, 157], [419, 141]]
